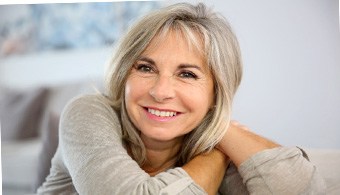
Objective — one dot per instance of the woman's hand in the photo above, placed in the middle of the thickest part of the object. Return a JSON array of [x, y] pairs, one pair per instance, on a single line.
[[239, 143]]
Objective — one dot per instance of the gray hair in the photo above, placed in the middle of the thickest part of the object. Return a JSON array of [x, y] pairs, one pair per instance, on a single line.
[[203, 29]]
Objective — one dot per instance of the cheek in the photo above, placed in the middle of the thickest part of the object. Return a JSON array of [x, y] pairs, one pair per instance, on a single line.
[[199, 97], [132, 94], [134, 88], [128, 92]]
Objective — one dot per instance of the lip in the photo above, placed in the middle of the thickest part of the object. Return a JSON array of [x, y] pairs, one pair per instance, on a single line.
[[166, 110], [158, 118]]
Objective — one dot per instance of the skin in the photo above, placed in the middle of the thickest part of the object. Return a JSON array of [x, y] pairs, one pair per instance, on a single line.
[[168, 76], [207, 170], [239, 143], [162, 79]]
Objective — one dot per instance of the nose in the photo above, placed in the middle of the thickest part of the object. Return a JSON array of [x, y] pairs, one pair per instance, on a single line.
[[163, 89]]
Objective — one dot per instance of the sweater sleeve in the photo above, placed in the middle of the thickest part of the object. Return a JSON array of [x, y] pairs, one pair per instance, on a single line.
[[282, 170], [93, 153]]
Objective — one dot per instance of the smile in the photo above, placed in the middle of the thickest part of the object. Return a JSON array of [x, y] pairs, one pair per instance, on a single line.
[[160, 113]]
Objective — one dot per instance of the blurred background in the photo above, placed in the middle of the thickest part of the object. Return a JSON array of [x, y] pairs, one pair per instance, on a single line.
[[49, 53], [67, 29]]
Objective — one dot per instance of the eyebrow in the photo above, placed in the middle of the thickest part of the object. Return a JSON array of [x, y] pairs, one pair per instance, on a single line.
[[190, 66], [146, 59], [181, 66]]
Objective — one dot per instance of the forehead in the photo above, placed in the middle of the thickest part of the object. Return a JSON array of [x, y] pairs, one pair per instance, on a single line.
[[173, 48], [188, 37], [176, 43]]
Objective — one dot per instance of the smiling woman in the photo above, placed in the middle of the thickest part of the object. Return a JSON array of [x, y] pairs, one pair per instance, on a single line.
[[163, 126], [169, 79]]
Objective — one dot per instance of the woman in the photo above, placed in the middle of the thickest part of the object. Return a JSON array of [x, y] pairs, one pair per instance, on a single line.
[[164, 125]]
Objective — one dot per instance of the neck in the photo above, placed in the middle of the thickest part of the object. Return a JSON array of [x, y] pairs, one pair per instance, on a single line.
[[160, 155]]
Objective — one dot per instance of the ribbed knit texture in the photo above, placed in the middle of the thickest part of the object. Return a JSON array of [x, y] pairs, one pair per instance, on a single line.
[[91, 159]]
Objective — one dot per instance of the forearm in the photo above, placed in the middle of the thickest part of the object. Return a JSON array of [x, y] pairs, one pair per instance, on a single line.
[[96, 162], [282, 170], [266, 168], [207, 170], [240, 144]]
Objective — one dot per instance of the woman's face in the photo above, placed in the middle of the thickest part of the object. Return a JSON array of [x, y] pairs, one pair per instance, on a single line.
[[169, 90]]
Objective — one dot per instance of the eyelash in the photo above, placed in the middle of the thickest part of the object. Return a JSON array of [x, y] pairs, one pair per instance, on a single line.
[[142, 67], [188, 74], [183, 74]]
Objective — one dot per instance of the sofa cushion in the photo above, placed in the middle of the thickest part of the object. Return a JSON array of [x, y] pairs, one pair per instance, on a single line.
[[19, 164], [21, 112], [327, 162], [49, 137]]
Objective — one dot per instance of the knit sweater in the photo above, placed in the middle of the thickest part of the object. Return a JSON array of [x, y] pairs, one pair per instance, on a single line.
[[91, 159]]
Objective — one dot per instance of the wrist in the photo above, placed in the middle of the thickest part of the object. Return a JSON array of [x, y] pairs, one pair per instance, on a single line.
[[239, 143], [207, 170]]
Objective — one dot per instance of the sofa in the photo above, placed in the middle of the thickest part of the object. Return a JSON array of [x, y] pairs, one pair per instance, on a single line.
[[29, 133], [30, 120]]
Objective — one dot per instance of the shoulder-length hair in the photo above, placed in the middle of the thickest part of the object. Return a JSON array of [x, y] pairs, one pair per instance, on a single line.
[[199, 26]]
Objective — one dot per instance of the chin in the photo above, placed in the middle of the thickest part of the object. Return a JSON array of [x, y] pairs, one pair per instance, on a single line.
[[161, 137]]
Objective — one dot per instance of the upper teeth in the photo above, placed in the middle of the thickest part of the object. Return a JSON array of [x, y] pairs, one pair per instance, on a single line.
[[161, 113]]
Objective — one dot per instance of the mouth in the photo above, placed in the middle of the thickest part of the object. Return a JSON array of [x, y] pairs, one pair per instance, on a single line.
[[161, 113]]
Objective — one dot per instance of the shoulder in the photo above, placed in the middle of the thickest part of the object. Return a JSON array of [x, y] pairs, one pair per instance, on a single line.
[[90, 110], [88, 101], [91, 104]]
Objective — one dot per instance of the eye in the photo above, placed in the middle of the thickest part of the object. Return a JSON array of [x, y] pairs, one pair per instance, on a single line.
[[144, 68], [188, 75]]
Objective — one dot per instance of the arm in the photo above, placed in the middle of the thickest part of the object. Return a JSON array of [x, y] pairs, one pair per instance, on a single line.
[[94, 155], [266, 167], [207, 170], [239, 143]]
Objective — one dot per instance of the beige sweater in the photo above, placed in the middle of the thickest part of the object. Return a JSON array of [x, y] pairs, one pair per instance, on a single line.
[[91, 159]]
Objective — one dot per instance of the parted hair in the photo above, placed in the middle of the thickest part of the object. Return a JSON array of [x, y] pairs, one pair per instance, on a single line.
[[212, 35]]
